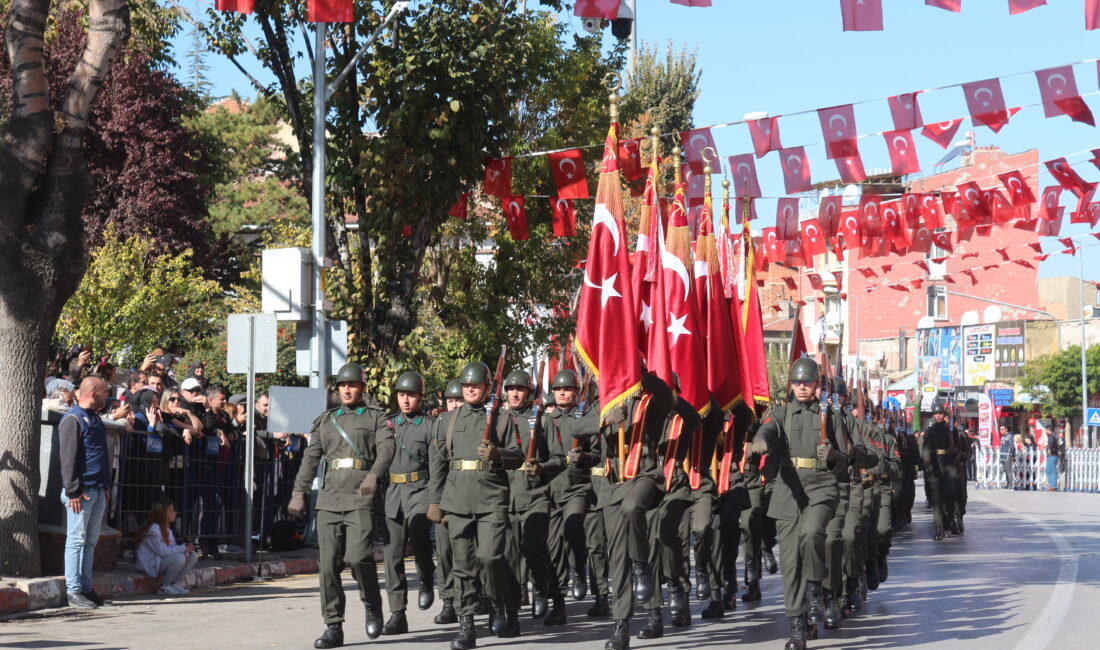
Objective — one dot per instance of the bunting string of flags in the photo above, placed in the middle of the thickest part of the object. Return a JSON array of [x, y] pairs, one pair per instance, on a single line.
[[866, 15]]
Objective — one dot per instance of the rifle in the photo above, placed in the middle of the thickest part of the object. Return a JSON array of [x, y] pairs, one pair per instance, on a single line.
[[823, 363], [491, 416], [582, 400], [537, 431]]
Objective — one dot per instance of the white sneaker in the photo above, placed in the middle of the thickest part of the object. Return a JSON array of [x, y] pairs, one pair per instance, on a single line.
[[180, 589], [166, 590]]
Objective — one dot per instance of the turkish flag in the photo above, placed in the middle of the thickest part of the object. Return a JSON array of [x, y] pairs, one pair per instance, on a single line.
[[796, 169], [648, 296], [793, 254], [922, 241], [849, 229], [1020, 6], [460, 208], [931, 212], [905, 111], [1081, 214], [786, 218], [242, 6], [893, 227], [630, 159], [606, 302], [743, 170], [986, 103], [828, 214], [515, 214], [838, 125], [910, 210], [815, 281], [1051, 227], [773, 246], [564, 217], [745, 207], [745, 313], [696, 143], [867, 272], [861, 15], [720, 343], [942, 133], [498, 177], [1000, 207], [765, 135], [903, 152], [1092, 17], [331, 11], [1056, 83], [1018, 191], [567, 168], [971, 200], [813, 239], [950, 5], [942, 240], [870, 223], [851, 169], [694, 186], [608, 9], [1066, 176], [1076, 109], [1048, 207]]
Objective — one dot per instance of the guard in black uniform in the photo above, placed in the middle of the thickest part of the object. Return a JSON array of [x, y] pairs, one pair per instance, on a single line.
[[939, 451]]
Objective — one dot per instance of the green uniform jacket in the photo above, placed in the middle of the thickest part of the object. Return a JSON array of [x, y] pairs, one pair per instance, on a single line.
[[886, 469], [412, 437], [466, 492], [937, 436], [364, 426], [861, 456], [514, 430], [562, 426]]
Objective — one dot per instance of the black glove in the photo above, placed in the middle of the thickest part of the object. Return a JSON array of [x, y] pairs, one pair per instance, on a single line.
[[576, 457], [826, 453], [532, 469], [369, 485], [488, 453], [297, 506]]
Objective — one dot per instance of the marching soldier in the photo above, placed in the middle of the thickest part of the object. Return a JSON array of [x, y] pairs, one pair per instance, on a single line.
[[452, 397], [469, 483], [806, 492], [733, 501], [355, 448], [965, 444], [938, 451], [881, 499], [699, 520], [407, 502]]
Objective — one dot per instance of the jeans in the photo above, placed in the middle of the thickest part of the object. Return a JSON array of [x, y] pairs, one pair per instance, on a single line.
[[176, 566], [81, 536], [1052, 472]]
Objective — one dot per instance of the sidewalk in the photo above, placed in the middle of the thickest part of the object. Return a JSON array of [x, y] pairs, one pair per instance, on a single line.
[[19, 595]]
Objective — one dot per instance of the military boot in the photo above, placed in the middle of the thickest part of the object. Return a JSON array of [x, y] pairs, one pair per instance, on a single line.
[[811, 628], [954, 525], [769, 561], [498, 619], [600, 607], [524, 597], [374, 621], [679, 612], [426, 598], [397, 624], [939, 534], [642, 577], [654, 626], [853, 603], [446, 616], [752, 592], [511, 625], [871, 571], [333, 637], [883, 568], [798, 633], [538, 604], [620, 636], [556, 615], [751, 574], [814, 611], [962, 528], [714, 609], [702, 582], [832, 611], [580, 585], [467, 636]]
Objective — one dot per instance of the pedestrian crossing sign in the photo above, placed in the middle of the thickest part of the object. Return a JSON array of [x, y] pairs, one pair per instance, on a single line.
[[1094, 418]]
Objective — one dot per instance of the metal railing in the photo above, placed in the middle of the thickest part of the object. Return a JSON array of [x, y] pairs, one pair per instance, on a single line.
[[1026, 469]]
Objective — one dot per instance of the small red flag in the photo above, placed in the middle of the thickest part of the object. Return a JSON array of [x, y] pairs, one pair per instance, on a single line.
[[567, 167], [893, 227], [630, 159], [903, 152], [564, 217], [851, 169], [950, 5], [815, 281], [828, 214], [922, 242], [1020, 6], [1024, 263], [942, 133], [838, 125], [743, 170], [942, 240], [789, 281], [867, 272], [931, 212], [1092, 17], [695, 143], [1066, 176], [973, 280], [1058, 88], [772, 244], [986, 103], [1051, 227], [813, 239], [1048, 207], [608, 9], [971, 200], [498, 177], [331, 11], [796, 169], [242, 6], [515, 213], [765, 135], [910, 210], [460, 207], [861, 15], [1076, 109], [1018, 191], [850, 230], [786, 218], [905, 111], [1081, 214]]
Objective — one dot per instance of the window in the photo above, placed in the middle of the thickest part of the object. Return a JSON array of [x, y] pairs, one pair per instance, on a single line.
[[937, 302], [936, 270]]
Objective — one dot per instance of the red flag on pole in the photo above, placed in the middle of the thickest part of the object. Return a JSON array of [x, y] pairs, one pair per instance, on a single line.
[[723, 377], [796, 169], [765, 135], [942, 133], [838, 125], [861, 15], [331, 11], [498, 177], [241, 6], [743, 170], [564, 217], [903, 152], [754, 387], [799, 348], [567, 168]]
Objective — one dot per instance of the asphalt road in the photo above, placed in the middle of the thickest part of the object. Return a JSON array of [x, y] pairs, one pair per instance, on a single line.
[[1025, 575]]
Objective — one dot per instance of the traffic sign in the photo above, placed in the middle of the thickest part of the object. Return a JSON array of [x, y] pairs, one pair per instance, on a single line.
[[1094, 418]]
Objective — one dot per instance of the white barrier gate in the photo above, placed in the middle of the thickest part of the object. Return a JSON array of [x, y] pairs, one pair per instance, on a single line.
[[1028, 470]]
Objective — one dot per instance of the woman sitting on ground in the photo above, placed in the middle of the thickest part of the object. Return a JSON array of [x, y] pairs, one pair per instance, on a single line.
[[159, 554]]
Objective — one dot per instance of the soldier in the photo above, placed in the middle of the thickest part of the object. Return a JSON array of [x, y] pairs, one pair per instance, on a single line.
[[407, 502], [806, 492], [469, 483], [446, 616], [733, 500], [940, 473], [699, 520], [529, 508], [881, 500], [354, 448], [965, 444]]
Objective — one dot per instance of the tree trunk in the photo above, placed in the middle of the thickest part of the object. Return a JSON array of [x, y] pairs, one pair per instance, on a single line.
[[44, 182]]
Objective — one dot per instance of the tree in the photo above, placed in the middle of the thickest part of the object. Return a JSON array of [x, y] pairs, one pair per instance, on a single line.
[[44, 181], [1054, 380], [666, 91]]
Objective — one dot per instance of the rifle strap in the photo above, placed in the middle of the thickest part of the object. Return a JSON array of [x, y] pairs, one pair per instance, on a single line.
[[451, 433], [344, 435]]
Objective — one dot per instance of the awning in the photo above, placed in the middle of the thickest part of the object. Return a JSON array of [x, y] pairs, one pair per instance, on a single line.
[[906, 383]]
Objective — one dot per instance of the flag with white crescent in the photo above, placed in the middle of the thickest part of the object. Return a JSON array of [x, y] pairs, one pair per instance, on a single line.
[[567, 168], [746, 312], [720, 351]]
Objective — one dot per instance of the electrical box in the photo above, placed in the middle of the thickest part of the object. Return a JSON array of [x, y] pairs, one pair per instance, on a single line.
[[287, 283]]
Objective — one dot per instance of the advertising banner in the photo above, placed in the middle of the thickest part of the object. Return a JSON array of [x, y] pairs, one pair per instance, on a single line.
[[978, 356], [939, 357], [1009, 344]]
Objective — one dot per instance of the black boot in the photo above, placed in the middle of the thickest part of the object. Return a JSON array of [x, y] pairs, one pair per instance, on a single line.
[[538, 604], [883, 568], [863, 587], [832, 611], [752, 592], [654, 626], [426, 598], [484, 606], [962, 528], [702, 582], [446, 616], [751, 574], [600, 608], [939, 534], [620, 636], [332, 638], [814, 611], [729, 597], [642, 576], [467, 636], [511, 625], [872, 575], [556, 616], [397, 624], [580, 586], [714, 609], [853, 603], [769, 561], [811, 628], [524, 597], [498, 620], [955, 526], [679, 612], [374, 622], [798, 633]]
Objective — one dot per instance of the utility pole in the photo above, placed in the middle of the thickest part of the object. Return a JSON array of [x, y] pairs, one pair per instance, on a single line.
[[1084, 363], [632, 59]]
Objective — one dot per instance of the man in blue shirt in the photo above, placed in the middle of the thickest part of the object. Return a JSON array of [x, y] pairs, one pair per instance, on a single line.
[[85, 485], [1008, 454]]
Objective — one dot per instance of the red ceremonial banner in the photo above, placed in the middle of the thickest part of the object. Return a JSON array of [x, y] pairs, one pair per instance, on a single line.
[[743, 170]]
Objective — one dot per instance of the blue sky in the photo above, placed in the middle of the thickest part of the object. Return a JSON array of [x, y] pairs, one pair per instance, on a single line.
[[786, 56]]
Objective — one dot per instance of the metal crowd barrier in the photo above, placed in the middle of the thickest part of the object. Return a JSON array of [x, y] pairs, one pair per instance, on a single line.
[[1026, 470]]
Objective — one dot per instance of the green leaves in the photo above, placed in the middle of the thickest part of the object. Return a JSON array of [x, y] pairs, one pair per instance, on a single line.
[[1054, 380]]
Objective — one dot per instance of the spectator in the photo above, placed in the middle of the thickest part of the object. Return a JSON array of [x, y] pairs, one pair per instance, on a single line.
[[1053, 452], [194, 395], [134, 382], [216, 420], [159, 554], [60, 398], [80, 363], [197, 371], [1008, 454], [155, 381], [85, 481], [180, 419]]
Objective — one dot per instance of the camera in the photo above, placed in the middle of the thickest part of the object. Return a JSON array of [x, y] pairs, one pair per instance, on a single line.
[[592, 25]]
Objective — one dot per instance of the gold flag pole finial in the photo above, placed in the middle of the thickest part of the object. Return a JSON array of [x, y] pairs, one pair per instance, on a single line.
[[708, 170], [676, 151], [614, 84]]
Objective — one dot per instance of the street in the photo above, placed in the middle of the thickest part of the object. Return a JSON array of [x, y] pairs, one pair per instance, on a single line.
[[1023, 576]]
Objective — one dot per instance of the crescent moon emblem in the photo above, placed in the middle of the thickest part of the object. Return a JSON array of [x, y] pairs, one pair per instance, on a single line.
[[1015, 182], [928, 203], [745, 166], [676, 265], [972, 195], [903, 148], [563, 205], [843, 123], [1059, 168], [946, 125], [561, 166], [1051, 198], [851, 224], [794, 164], [986, 91], [891, 215], [871, 209], [1056, 75], [698, 136], [788, 212], [603, 216], [830, 209]]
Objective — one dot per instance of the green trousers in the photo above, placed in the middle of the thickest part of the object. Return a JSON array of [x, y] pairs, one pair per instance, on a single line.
[[802, 553], [568, 548], [446, 582], [595, 536], [528, 554], [834, 544], [478, 542], [627, 538], [346, 539], [854, 539], [416, 530]]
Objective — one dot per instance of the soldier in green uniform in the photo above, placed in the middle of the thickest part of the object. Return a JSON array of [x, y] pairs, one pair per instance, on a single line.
[[469, 484], [938, 450], [880, 497], [452, 397], [407, 502], [355, 447], [699, 520], [806, 492], [965, 445], [733, 500]]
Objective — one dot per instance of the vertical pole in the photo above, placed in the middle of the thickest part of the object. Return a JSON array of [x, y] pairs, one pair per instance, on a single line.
[[250, 439], [318, 347], [1084, 366], [633, 57]]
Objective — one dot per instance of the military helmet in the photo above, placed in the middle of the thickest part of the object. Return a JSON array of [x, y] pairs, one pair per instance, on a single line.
[[840, 387], [805, 369], [565, 379], [519, 378], [938, 408], [350, 372], [454, 389], [475, 372], [410, 381]]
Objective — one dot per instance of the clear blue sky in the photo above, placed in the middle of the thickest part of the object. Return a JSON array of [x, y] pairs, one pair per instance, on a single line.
[[785, 56]]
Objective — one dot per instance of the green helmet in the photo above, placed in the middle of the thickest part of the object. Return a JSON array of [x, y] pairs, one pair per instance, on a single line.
[[350, 372], [519, 378], [565, 379], [454, 389], [805, 369], [475, 372], [410, 381], [840, 387], [937, 408]]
